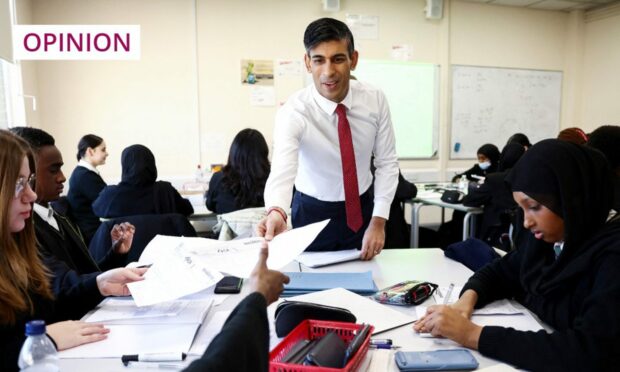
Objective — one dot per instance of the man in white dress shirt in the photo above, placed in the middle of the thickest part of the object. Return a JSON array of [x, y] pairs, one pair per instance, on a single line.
[[332, 177]]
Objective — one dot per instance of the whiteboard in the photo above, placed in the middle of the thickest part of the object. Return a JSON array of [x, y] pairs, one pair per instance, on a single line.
[[412, 92], [490, 104]]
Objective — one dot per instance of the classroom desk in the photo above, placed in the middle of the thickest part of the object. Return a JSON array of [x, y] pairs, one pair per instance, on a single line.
[[469, 223], [390, 267]]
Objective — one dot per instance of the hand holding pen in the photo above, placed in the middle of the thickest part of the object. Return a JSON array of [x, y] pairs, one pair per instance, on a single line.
[[122, 237]]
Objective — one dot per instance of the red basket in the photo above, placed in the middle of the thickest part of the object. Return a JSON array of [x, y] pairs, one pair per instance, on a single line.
[[311, 329]]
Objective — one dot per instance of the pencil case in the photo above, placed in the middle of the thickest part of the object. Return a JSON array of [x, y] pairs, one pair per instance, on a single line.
[[406, 293], [290, 313]]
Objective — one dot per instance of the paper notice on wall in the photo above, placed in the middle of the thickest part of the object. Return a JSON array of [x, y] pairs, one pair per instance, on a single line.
[[363, 26], [288, 67], [402, 52], [262, 96]]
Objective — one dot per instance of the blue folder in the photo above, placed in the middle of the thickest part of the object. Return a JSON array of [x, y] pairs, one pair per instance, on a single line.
[[304, 282]]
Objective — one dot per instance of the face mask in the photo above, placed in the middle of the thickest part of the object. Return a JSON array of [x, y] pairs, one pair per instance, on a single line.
[[484, 165]]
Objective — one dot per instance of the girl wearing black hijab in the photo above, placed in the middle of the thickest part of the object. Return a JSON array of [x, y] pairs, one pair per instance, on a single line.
[[496, 198], [488, 157], [139, 192], [566, 271]]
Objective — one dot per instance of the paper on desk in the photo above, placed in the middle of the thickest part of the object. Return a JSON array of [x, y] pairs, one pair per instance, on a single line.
[[382, 317], [522, 321], [238, 257], [125, 311], [500, 307], [208, 331], [137, 339], [318, 259], [174, 273]]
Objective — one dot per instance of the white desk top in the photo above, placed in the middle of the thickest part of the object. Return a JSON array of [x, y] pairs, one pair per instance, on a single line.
[[390, 267]]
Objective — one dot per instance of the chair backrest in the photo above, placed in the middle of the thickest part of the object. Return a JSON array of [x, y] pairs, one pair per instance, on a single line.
[[238, 224], [147, 226]]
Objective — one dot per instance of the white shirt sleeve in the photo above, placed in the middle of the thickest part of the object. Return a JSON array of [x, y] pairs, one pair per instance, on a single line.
[[386, 162], [286, 138]]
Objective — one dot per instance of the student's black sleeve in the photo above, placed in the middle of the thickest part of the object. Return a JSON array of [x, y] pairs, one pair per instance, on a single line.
[[75, 294], [479, 196], [590, 343], [243, 343]]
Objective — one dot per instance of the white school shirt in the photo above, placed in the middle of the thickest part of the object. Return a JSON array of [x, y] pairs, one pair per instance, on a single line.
[[87, 165], [306, 149], [46, 214]]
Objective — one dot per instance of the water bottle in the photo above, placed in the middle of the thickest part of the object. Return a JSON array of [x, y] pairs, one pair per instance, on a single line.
[[38, 353], [463, 184], [199, 174]]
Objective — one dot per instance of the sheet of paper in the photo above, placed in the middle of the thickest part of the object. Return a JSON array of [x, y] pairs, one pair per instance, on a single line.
[[238, 257], [262, 96], [318, 259], [174, 273], [500, 307], [125, 311], [182, 266], [523, 321], [208, 331], [382, 317], [137, 339]]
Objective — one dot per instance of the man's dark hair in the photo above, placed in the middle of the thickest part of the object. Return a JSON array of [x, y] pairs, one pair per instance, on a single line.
[[35, 137], [327, 29], [606, 139]]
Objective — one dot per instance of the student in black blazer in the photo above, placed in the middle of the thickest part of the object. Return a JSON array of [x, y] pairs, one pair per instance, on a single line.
[[565, 271], [241, 183], [26, 293], [139, 191], [496, 198], [488, 157], [606, 139], [75, 274], [85, 184]]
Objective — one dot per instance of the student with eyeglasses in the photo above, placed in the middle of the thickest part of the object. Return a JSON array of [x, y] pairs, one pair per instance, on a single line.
[[25, 291]]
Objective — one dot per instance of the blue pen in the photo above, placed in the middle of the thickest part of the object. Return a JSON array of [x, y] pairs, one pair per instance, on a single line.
[[380, 341], [384, 346]]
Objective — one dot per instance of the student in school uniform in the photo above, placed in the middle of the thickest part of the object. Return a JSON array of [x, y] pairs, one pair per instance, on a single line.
[[606, 139], [24, 287], [496, 198], [324, 138], [566, 272], [85, 184], [574, 135], [241, 183], [139, 191], [488, 157], [521, 139], [75, 274]]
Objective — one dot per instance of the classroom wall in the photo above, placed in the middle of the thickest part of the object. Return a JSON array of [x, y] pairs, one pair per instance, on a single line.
[[184, 98], [152, 101], [601, 79]]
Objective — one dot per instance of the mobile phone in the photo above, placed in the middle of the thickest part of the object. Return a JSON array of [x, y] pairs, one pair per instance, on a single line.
[[229, 284], [436, 360]]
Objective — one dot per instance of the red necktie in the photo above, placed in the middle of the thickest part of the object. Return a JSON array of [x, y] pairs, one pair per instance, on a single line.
[[349, 171]]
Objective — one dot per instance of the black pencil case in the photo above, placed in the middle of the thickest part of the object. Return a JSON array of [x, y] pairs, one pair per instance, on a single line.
[[290, 313]]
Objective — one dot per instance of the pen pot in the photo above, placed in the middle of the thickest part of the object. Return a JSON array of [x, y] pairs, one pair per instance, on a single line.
[[313, 329]]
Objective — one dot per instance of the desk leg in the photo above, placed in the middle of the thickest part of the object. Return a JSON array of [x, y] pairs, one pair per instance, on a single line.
[[415, 224], [466, 225]]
